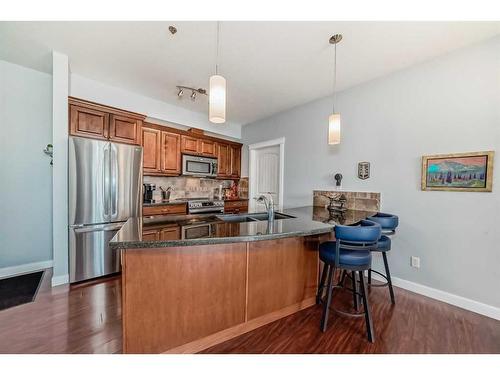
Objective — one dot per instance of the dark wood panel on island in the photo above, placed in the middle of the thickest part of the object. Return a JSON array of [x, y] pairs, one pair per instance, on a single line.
[[186, 299]]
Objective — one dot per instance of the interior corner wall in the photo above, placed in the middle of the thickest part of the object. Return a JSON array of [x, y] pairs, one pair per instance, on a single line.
[[25, 171], [60, 91], [447, 105]]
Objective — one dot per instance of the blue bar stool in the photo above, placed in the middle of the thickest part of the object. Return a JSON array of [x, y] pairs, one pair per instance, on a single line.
[[351, 251], [389, 223]]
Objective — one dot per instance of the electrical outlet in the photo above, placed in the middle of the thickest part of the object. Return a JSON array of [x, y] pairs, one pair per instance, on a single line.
[[415, 262]]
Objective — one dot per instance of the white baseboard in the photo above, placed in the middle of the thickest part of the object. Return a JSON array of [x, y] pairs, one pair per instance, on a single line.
[[60, 280], [25, 268], [452, 299]]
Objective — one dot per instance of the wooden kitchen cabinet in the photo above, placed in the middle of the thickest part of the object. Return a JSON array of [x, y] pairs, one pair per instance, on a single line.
[[92, 120], [229, 159], [197, 146], [162, 152], [87, 122], [125, 129], [223, 160], [189, 145], [151, 141], [235, 153], [167, 209], [235, 207], [170, 154], [207, 148]]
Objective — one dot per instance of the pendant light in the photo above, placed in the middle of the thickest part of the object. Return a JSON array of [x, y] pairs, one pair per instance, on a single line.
[[334, 119], [217, 91]]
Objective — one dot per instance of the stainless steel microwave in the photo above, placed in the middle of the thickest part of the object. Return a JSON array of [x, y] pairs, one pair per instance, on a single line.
[[199, 166]]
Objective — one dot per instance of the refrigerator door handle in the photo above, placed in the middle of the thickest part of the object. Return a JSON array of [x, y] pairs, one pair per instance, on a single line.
[[106, 178], [114, 182]]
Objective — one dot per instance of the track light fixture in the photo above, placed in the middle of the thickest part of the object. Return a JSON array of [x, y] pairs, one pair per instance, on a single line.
[[194, 92]]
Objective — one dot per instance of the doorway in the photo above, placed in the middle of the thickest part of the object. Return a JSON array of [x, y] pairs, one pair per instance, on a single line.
[[266, 172]]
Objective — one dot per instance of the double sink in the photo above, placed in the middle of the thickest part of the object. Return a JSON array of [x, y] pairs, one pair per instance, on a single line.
[[243, 218]]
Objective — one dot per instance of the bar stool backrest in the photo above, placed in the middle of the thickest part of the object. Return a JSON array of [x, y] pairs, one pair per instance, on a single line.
[[361, 237], [388, 222]]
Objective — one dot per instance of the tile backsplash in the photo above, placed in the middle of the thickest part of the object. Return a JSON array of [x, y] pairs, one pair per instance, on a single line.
[[186, 187], [356, 200]]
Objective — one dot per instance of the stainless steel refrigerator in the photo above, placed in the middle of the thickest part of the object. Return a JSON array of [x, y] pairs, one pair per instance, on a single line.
[[105, 185]]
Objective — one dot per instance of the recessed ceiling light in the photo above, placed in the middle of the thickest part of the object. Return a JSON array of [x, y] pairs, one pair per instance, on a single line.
[[172, 29]]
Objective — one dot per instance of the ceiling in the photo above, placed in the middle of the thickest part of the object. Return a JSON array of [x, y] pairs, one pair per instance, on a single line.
[[269, 66]]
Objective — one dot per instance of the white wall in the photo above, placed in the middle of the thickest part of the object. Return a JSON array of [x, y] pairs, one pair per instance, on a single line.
[[60, 87], [450, 104], [25, 171], [88, 89]]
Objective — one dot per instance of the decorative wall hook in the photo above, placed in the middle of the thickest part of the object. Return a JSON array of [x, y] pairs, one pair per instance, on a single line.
[[48, 150]]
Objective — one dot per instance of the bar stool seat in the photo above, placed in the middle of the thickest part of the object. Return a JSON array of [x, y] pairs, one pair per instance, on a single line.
[[346, 257], [384, 243]]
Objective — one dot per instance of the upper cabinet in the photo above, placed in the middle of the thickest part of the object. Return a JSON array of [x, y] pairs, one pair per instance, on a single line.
[[229, 160], [151, 159], [198, 146], [162, 152], [88, 122], [170, 153], [97, 121], [125, 129], [235, 161]]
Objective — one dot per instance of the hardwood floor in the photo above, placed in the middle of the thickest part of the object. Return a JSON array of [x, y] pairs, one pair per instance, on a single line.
[[87, 319]]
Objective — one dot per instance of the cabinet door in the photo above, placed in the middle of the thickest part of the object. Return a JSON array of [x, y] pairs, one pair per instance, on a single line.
[[170, 153], [125, 130], [235, 161], [151, 235], [189, 145], [151, 142], [90, 123], [170, 233], [223, 159], [207, 147]]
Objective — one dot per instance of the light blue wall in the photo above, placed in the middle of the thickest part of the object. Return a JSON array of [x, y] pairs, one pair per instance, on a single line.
[[450, 104], [25, 173]]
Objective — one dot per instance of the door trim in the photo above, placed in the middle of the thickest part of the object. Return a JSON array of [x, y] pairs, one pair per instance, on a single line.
[[252, 152]]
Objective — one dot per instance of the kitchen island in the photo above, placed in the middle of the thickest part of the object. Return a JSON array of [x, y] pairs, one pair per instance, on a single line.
[[192, 281]]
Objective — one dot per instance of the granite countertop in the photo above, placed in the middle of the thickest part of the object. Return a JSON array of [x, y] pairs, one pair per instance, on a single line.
[[207, 229]]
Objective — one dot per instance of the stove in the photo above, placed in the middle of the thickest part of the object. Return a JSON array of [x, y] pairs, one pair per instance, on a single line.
[[205, 206]]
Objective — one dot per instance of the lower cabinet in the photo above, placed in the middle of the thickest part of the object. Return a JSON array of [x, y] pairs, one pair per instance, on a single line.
[[234, 207], [168, 209]]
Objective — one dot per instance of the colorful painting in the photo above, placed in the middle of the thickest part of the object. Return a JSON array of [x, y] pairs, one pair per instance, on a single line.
[[458, 172]]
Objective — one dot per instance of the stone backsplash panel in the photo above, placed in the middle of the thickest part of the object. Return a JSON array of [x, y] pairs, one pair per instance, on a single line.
[[356, 200], [186, 187]]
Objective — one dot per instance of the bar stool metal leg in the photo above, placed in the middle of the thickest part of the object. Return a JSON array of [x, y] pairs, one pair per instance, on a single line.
[[388, 276], [321, 286], [326, 308], [366, 306], [355, 295]]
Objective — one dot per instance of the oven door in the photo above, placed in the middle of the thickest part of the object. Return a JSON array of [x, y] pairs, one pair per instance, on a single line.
[[198, 166], [190, 232]]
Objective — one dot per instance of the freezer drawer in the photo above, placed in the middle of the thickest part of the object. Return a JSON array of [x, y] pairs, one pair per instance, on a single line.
[[90, 255]]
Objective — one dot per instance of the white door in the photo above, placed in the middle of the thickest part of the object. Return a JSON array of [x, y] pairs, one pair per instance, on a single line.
[[266, 174]]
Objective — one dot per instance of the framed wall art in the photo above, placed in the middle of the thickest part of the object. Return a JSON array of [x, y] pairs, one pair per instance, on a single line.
[[470, 171]]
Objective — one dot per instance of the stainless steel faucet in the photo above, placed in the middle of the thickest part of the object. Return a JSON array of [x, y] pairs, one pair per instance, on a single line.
[[269, 203]]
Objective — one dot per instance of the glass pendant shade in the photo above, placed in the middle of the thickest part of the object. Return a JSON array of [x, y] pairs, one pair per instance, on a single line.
[[334, 129], [217, 100]]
